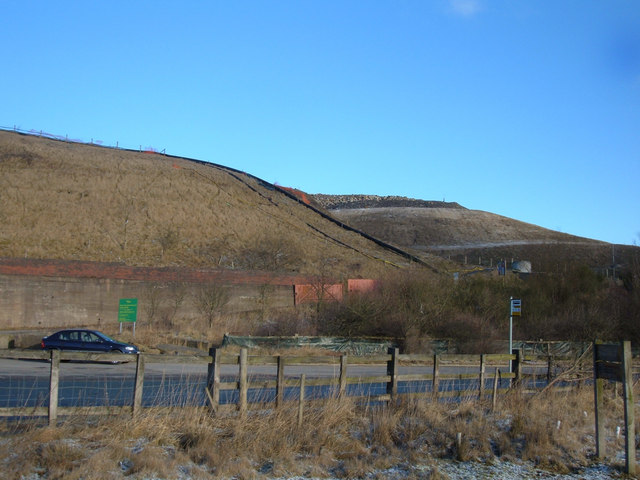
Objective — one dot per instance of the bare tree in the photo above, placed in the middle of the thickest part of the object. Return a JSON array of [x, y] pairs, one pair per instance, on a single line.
[[152, 300], [168, 238], [210, 300], [270, 252]]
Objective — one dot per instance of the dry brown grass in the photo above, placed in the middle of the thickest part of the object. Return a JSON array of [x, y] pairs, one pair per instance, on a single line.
[[338, 438], [469, 235], [73, 201]]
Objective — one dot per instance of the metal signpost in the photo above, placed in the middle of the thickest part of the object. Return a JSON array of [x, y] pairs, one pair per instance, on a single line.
[[516, 307], [127, 312]]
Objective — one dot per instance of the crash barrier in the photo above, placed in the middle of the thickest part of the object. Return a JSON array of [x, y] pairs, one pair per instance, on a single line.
[[263, 379]]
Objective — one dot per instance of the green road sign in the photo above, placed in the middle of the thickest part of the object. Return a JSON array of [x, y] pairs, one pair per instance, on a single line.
[[128, 310]]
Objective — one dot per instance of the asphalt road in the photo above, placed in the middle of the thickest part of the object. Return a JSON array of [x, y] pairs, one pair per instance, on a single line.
[[10, 368], [26, 382]]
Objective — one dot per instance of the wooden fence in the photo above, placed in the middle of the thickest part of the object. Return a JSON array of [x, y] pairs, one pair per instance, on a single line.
[[478, 371]]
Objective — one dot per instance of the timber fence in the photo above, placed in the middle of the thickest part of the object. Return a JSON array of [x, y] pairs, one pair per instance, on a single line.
[[65, 138], [239, 381]]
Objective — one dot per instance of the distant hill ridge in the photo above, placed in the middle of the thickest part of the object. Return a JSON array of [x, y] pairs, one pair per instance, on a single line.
[[337, 202], [451, 231]]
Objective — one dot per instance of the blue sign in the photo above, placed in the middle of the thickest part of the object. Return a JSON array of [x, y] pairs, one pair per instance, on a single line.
[[516, 307]]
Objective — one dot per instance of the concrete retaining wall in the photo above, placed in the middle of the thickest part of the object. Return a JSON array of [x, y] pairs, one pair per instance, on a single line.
[[30, 301]]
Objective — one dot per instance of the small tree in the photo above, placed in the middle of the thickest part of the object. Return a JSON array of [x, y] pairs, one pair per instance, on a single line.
[[152, 300], [168, 239], [270, 252], [210, 300]]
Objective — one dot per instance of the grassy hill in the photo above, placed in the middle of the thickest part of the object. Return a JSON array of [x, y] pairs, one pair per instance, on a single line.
[[69, 201], [452, 231], [62, 200]]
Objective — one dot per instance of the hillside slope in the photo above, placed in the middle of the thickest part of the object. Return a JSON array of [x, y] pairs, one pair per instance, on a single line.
[[73, 201], [450, 230]]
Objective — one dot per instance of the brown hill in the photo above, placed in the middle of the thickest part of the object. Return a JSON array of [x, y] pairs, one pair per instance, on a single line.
[[73, 201], [61, 200], [452, 231]]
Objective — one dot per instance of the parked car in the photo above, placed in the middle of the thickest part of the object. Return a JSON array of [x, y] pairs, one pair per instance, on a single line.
[[85, 340]]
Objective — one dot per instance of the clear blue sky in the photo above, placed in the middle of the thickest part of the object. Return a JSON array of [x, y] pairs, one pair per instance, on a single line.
[[528, 109]]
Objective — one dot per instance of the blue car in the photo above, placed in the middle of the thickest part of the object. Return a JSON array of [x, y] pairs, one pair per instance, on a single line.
[[85, 340]]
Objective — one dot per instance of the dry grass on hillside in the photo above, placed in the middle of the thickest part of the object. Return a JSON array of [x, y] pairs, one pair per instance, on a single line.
[[459, 233], [447, 227], [73, 201], [338, 439]]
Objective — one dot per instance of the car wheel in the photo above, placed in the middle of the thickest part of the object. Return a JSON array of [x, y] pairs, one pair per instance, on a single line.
[[116, 350]]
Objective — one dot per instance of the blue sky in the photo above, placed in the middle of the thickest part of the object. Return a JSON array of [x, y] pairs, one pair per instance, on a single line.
[[528, 109]]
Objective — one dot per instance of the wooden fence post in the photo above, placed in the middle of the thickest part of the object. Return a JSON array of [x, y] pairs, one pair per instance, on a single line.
[[243, 383], [343, 376], [301, 400], [213, 379], [481, 379], [435, 388], [496, 376], [629, 418], [54, 377], [459, 455], [516, 367], [137, 391], [598, 397], [280, 382], [613, 362], [392, 371], [549, 369]]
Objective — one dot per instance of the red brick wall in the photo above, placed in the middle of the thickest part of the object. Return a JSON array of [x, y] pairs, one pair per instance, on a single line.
[[116, 271], [311, 293], [362, 285]]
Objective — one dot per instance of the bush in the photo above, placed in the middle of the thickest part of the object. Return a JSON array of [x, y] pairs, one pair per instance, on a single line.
[[572, 304]]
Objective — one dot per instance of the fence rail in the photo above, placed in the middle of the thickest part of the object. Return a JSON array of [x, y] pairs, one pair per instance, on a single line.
[[257, 379], [65, 138]]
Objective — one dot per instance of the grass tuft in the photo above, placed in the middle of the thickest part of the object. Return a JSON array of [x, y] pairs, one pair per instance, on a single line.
[[339, 438]]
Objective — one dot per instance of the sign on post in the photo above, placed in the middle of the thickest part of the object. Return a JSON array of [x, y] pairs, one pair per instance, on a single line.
[[128, 312], [516, 307], [613, 362]]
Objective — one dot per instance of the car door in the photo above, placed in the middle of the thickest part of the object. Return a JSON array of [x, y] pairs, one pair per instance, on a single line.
[[91, 342], [72, 340]]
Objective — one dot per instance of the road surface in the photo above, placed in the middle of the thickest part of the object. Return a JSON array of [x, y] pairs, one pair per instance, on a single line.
[[26, 382]]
